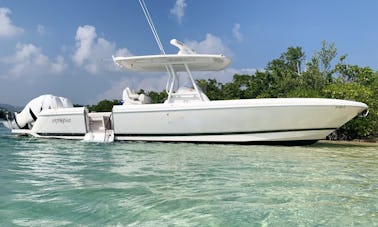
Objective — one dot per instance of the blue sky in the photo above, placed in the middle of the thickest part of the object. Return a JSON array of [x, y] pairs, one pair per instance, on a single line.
[[64, 47]]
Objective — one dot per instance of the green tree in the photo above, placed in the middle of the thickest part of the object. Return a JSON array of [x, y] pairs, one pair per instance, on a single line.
[[324, 57], [157, 97], [103, 106], [360, 84], [358, 128], [284, 73], [311, 81], [211, 88], [260, 85]]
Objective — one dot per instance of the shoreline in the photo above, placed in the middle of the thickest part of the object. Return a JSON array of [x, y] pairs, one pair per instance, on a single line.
[[351, 143]]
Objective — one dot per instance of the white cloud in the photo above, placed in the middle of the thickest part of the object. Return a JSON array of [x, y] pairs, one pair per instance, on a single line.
[[211, 45], [115, 91], [236, 32], [242, 71], [59, 65], [7, 29], [85, 36], [29, 60], [91, 51], [41, 29], [179, 10], [123, 52]]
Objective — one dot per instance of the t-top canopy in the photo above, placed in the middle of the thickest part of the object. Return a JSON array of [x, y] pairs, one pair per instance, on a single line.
[[156, 63]]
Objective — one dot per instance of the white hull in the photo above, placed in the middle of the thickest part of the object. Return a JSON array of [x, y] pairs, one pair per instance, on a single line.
[[239, 121], [234, 121]]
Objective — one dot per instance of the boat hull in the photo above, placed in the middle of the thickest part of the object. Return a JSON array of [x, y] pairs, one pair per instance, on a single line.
[[299, 137], [65, 123], [267, 121], [235, 121]]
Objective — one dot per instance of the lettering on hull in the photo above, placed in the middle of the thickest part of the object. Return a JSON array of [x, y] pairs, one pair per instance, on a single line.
[[61, 120]]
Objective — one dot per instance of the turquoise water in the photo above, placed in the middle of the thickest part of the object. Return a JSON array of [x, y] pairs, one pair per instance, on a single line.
[[65, 183]]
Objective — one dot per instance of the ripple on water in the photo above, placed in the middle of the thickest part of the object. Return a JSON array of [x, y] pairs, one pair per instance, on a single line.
[[57, 182]]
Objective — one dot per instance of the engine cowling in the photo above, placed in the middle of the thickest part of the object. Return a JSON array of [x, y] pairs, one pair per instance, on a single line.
[[31, 111]]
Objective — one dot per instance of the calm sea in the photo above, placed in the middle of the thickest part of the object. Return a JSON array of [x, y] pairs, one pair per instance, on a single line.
[[60, 183]]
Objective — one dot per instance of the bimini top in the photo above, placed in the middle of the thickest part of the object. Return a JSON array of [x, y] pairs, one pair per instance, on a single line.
[[156, 63]]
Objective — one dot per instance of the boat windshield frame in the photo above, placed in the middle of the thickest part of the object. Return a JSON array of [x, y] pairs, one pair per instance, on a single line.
[[173, 79]]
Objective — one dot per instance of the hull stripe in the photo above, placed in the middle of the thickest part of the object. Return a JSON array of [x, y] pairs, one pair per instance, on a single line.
[[192, 134], [61, 134], [225, 133]]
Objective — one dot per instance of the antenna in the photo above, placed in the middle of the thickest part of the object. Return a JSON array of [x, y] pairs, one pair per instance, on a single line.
[[183, 48], [152, 26]]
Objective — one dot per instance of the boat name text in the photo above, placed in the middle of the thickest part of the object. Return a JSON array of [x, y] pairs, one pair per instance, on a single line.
[[61, 120]]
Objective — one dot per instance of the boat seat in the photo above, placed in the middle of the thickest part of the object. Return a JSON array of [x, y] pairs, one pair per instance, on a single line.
[[130, 97]]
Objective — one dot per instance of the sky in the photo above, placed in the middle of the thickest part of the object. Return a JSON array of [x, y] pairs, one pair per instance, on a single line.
[[64, 47]]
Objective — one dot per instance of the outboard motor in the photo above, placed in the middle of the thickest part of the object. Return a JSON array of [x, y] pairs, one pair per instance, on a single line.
[[66, 102], [31, 111]]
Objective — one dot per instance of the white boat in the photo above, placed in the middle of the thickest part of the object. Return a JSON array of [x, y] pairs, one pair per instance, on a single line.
[[187, 115]]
